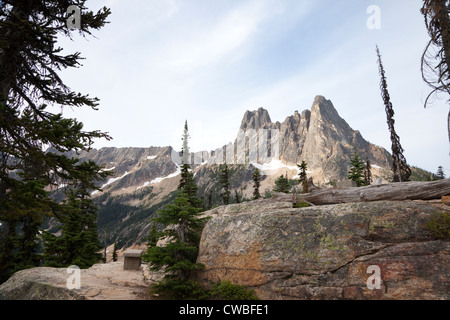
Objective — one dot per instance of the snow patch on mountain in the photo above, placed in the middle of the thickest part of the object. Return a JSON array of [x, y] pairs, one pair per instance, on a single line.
[[273, 165], [112, 180], [172, 175], [144, 185]]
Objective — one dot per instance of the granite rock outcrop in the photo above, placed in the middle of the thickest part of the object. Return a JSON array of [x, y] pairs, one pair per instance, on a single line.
[[328, 252]]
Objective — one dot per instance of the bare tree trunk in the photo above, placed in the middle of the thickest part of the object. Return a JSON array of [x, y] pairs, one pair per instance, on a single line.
[[393, 191]]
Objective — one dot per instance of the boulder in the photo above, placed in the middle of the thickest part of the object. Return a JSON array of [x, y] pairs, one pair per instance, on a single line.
[[328, 252], [100, 282], [39, 284]]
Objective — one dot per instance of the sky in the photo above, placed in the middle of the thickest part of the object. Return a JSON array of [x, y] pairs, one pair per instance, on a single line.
[[161, 62]]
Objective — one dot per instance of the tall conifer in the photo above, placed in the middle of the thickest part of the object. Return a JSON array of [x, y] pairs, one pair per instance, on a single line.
[[225, 183], [78, 243], [187, 181], [182, 223], [303, 178], [256, 176], [33, 138], [356, 170]]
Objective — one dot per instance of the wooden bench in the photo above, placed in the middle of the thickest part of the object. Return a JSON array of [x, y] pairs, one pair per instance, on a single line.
[[132, 259]]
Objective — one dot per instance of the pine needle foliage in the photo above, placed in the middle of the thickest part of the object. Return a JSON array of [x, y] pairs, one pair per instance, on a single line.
[[256, 177], [282, 184], [356, 170], [303, 177], [34, 138], [224, 178]]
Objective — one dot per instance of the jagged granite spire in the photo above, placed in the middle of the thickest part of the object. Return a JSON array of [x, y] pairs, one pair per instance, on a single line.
[[318, 136], [255, 119]]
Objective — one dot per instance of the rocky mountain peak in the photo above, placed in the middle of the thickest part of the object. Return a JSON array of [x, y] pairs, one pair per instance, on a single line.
[[255, 119], [324, 108]]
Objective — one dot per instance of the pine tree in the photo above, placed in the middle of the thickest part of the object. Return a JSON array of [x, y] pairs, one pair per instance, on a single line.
[[368, 173], [440, 173], [356, 171], [187, 181], [185, 157], [183, 224], [237, 196], [191, 188], [30, 60], [282, 184], [303, 177], [256, 177], [225, 183], [185, 152], [153, 236], [78, 243], [400, 169], [114, 254]]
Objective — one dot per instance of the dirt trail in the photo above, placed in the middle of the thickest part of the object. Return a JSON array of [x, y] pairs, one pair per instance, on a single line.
[[110, 282]]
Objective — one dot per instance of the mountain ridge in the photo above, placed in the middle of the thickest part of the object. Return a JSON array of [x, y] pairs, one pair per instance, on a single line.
[[320, 137], [145, 179]]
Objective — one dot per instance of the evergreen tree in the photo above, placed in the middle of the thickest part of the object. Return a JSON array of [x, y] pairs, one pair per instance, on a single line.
[[368, 173], [256, 176], [303, 177], [185, 152], [153, 236], [356, 171], [191, 188], [440, 173], [187, 181], [185, 160], [237, 197], [225, 183], [183, 224], [78, 243], [30, 60], [400, 169], [282, 184], [114, 254]]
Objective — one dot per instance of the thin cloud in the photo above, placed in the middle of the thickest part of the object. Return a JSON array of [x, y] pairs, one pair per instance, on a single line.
[[164, 61]]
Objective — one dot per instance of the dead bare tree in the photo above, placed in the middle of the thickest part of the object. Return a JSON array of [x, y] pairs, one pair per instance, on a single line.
[[400, 168], [435, 63]]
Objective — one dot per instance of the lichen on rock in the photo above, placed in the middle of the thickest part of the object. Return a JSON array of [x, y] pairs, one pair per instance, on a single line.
[[323, 252]]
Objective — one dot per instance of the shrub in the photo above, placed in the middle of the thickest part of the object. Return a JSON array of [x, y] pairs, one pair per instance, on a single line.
[[229, 291], [439, 225], [301, 204], [178, 289]]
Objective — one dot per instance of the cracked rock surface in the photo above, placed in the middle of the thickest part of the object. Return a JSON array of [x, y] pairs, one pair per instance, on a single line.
[[324, 252]]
